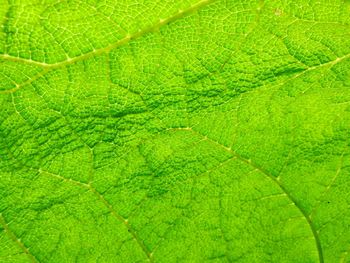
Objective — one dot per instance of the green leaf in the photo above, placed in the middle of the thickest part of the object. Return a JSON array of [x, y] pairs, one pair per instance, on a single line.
[[174, 131]]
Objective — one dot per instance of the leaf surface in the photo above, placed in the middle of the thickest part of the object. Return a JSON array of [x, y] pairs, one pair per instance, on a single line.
[[174, 131]]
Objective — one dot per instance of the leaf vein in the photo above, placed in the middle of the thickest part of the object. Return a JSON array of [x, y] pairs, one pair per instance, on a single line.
[[274, 179], [162, 22], [19, 243]]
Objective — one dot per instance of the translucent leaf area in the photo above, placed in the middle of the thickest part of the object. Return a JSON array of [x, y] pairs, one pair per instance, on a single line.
[[174, 131]]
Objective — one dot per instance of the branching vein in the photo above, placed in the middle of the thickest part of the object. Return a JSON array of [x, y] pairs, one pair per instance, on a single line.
[[274, 179], [18, 241]]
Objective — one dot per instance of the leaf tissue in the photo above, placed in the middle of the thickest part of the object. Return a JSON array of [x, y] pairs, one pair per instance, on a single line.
[[174, 131]]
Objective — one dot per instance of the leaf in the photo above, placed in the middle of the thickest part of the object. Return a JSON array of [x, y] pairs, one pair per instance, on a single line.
[[174, 131]]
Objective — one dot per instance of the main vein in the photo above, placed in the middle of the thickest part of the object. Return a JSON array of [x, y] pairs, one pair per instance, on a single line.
[[161, 22], [180, 14]]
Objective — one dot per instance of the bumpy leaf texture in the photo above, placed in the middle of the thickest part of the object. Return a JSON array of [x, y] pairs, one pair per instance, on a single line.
[[174, 131]]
